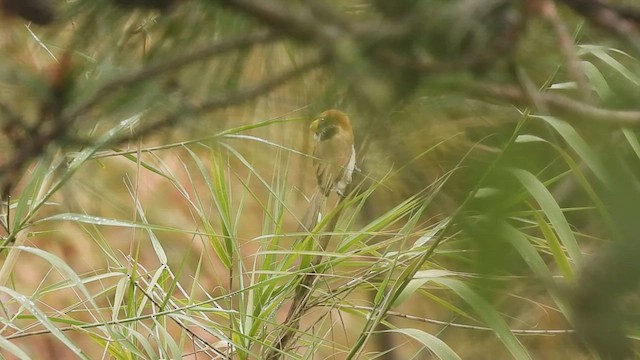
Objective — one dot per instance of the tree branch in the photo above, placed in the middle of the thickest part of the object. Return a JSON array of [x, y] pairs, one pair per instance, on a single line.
[[622, 21], [150, 71], [572, 110], [567, 49], [221, 102]]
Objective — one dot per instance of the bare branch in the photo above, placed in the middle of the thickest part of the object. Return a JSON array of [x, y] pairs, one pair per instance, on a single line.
[[529, 332], [297, 21], [150, 71], [567, 49], [624, 22], [573, 110], [225, 101]]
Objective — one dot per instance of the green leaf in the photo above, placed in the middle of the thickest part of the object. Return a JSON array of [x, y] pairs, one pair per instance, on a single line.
[[28, 304], [28, 195], [13, 349], [97, 220], [633, 140], [531, 256], [489, 316], [420, 278], [552, 210], [580, 146], [598, 81], [433, 343], [601, 53]]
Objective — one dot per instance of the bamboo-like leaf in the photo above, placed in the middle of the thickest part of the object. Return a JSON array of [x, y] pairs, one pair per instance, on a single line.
[[65, 269], [598, 80], [433, 343], [554, 245], [98, 220], [601, 53], [28, 304], [169, 346], [155, 243], [531, 256], [418, 281], [633, 141], [489, 316], [13, 349], [580, 146], [86, 154], [577, 172], [142, 340], [118, 298], [27, 200], [552, 211]]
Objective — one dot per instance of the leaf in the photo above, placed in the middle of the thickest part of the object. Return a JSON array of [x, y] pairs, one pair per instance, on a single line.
[[552, 210], [633, 140], [433, 343], [601, 53], [27, 197], [488, 314], [155, 243], [580, 146], [420, 278], [597, 80], [28, 304], [13, 349], [531, 256], [97, 220]]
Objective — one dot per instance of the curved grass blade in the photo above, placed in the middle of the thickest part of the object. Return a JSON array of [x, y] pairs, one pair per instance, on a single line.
[[580, 146], [42, 318], [552, 210], [489, 316], [13, 349], [433, 343]]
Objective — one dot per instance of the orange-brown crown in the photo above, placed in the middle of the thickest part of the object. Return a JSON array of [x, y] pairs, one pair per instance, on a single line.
[[330, 119]]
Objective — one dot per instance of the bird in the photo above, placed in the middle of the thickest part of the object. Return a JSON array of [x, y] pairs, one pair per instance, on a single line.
[[334, 158]]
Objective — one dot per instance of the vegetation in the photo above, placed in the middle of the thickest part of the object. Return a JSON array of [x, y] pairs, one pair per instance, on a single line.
[[154, 170]]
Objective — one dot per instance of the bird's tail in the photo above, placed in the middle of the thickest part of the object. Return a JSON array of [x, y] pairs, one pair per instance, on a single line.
[[314, 212]]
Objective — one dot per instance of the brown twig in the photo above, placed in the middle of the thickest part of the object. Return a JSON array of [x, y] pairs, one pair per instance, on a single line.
[[567, 49], [191, 333], [36, 146], [295, 21], [523, 332], [180, 61], [570, 109], [622, 21], [224, 101]]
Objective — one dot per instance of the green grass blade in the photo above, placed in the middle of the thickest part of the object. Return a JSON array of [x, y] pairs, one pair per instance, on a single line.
[[489, 316], [552, 210], [580, 146], [439, 348], [28, 304]]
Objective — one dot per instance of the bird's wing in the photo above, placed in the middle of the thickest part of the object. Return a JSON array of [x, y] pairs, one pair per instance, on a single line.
[[332, 158], [314, 212]]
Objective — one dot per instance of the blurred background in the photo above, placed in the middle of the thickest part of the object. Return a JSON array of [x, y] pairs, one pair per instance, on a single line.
[[154, 168]]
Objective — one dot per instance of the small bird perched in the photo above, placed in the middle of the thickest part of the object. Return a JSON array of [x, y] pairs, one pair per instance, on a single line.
[[334, 160]]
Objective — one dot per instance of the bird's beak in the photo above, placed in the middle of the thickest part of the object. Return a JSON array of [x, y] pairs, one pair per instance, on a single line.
[[314, 125]]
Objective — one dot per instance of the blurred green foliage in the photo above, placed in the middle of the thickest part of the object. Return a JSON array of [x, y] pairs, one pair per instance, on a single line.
[[153, 167]]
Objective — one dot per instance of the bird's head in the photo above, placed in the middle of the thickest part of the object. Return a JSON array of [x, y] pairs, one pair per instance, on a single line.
[[330, 123]]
